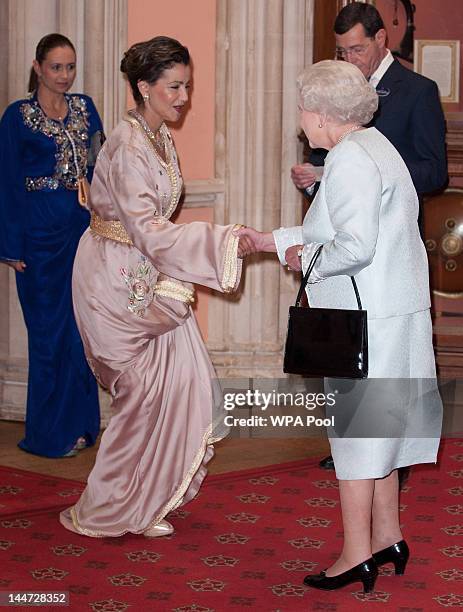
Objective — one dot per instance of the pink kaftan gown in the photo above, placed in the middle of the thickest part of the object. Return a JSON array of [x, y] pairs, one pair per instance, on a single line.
[[141, 338]]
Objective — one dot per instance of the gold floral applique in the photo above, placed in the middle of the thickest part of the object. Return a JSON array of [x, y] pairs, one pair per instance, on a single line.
[[140, 283]]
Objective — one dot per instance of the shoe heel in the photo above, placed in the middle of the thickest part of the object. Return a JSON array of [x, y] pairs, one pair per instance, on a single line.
[[369, 584], [398, 554], [399, 566]]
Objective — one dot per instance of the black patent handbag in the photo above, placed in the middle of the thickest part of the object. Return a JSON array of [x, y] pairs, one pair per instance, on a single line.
[[326, 342]]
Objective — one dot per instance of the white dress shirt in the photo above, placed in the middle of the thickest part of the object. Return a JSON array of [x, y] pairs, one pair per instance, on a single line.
[[378, 74]]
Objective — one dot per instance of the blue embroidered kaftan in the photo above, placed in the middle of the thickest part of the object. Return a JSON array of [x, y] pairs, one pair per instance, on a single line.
[[41, 223]]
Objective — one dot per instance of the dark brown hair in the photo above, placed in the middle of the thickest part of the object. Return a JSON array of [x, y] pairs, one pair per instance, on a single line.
[[45, 45], [359, 12], [146, 61]]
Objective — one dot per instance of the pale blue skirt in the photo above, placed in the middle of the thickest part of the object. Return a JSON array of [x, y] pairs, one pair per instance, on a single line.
[[399, 348]]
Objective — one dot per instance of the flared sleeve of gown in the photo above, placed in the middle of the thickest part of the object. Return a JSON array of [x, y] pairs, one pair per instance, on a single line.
[[12, 189], [196, 252]]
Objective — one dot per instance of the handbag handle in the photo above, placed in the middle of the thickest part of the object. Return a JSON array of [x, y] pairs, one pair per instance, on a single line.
[[305, 280]]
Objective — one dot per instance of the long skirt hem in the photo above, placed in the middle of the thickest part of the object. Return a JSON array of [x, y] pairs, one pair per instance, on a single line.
[[186, 491]]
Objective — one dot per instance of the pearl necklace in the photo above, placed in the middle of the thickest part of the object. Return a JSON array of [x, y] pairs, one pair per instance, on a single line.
[[349, 131], [156, 138], [168, 163]]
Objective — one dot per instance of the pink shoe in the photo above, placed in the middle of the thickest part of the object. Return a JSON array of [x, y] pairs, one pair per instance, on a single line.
[[163, 528]]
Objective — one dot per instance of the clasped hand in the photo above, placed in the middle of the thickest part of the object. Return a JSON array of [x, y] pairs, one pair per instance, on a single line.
[[251, 241], [18, 266], [293, 257], [305, 175]]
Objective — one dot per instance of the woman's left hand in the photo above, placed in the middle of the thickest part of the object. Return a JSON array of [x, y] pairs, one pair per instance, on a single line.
[[18, 266], [293, 258]]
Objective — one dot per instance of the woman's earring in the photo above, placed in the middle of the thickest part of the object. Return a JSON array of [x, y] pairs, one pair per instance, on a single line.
[[146, 97], [320, 125]]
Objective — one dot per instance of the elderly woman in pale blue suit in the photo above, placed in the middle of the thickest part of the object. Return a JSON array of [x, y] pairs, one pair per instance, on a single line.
[[365, 216]]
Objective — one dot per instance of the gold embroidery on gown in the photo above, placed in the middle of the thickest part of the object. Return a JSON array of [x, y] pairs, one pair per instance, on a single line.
[[174, 290], [138, 121], [114, 230]]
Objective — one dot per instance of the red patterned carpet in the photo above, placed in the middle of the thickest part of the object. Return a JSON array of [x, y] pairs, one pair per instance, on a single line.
[[244, 543]]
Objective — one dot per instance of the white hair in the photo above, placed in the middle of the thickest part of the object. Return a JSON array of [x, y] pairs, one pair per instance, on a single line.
[[339, 90]]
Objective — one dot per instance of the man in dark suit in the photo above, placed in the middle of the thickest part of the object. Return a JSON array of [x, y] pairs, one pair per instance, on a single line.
[[409, 113]]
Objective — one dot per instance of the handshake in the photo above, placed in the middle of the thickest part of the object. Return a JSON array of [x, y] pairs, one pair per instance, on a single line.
[[251, 241]]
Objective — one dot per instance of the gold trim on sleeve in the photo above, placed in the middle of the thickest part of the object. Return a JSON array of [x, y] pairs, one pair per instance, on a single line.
[[174, 290], [230, 264]]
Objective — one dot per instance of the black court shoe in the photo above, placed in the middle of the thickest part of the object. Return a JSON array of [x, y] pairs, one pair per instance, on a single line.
[[403, 475], [327, 463], [365, 572], [397, 554]]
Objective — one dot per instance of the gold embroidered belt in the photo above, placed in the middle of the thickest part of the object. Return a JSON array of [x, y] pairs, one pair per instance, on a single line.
[[114, 230]]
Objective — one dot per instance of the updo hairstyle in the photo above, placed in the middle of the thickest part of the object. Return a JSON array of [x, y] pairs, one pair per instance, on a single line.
[[338, 90], [146, 61]]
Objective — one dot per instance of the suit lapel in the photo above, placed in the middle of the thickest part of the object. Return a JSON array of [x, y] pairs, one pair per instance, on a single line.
[[390, 83]]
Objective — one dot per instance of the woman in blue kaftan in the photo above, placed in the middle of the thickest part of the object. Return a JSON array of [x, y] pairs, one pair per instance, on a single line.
[[43, 154]]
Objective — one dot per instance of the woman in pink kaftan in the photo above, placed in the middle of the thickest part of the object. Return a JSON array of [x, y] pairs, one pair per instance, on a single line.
[[132, 299]]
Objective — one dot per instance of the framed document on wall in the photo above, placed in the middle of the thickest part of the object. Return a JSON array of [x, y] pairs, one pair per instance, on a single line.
[[440, 61]]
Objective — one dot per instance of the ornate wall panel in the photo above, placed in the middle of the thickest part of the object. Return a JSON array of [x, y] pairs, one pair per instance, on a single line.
[[261, 48]]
